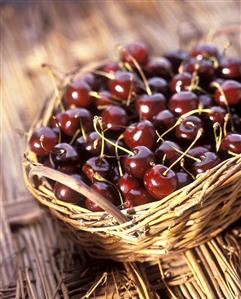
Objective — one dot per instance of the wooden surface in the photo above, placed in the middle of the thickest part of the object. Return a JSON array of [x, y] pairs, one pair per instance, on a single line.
[[67, 33]]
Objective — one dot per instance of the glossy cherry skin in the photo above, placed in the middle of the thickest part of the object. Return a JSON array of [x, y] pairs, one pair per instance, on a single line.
[[141, 133], [158, 85], [77, 94], [91, 144], [71, 120], [122, 84], [232, 143], [183, 102], [183, 179], [67, 194], [158, 67], [127, 182], [166, 150], [205, 101], [208, 161], [205, 50], [158, 183], [137, 50], [176, 57], [42, 141], [111, 67], [136, 197], [188, 128], [181, 82], [139, 162], [89, 79], [114, 118], [197, 151], [164, 120], [104, 189], [230, 68], [217, 114], [147, 106], [64, 154], [232, 92], [96, 166]]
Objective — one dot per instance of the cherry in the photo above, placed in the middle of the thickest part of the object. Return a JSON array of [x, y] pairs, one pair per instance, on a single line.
[[122, 84], [205, 101], [217, 114], [181, 82], [137, 50], [71, 120], [183, 102], [232, 92], [208, 161], [230, 68], [127, 182], [164, 120], [232, 143], [167, 152], [176, 57], [91, 143], [139, 162], [197, 151], [77, 94], [188, 128], [141, 133], [42, 141], [148, 106], [96, 166], [64, 154], [137, 196], [104, 189], [114, 118], [89, 78], [111, 67], [67, 194], [158, 66], [158, 85], [205, 50], [104, 98], [159, 181], [183, 179]]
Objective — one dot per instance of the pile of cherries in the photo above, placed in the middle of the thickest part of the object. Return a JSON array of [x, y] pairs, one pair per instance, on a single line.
[[137, 129]]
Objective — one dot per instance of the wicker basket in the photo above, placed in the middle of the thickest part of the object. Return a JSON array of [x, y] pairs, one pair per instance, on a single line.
[[188, 217]]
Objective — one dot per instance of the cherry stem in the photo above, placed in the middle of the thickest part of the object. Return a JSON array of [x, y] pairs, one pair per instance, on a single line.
[[219, 87], [59, 130], [226, 119], [113, 99], [98, 120], [104, 74], [118, 156], [184, 168], [199, 134], [218, 137]]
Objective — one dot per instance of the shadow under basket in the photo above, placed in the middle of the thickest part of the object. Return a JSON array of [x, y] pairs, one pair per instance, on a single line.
[[185, 219]]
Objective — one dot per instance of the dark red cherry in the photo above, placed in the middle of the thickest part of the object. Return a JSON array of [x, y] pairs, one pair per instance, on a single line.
[[42, 141], [96, 166], [167, 152], [141, 133], [77, 94], [183, 102], [159, 182], [208, 161], [91, 143], [159, 67], [181, 82], [122, 84], [217, 114], [104, 189], [158, 85], [205, 50], [64, 153], [127, 182], [71, 120], [205, 101], [176, 57], [137, 50], [111, 67], [139, 162], [136, 197], [188, 128], [89, 79], [230, 68], [164, 120], [114, 118], [197, 151], [232, 92], [67, 194], [104, 98], [183, 179], [148, 106], [232, 143]]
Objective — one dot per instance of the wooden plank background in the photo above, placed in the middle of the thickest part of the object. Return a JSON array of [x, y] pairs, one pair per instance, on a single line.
[[67, 33]]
